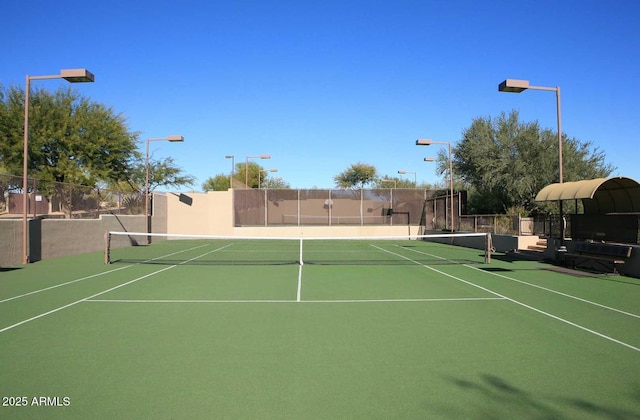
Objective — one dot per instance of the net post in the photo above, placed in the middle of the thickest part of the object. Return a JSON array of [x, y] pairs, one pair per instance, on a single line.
[[487, 252], [107, 245]]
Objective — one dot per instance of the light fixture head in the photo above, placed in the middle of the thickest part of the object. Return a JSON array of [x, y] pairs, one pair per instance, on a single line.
[[175, 138], [424, 142], [513, 85], [77, 75]]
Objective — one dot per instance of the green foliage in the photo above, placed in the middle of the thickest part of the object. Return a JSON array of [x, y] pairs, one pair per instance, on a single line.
[[164, 173], [392, 182], [357, 175], [71, 139], [251, 175], [219, 182], [254, 175], [506, 163], [276, 183]]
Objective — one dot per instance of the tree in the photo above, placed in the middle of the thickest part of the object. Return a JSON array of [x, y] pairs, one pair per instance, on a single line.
[[219, 182], [357, 175], [256, 174], [387, 181], [164, 173], [274, 183], [71, 139], [506, 163]]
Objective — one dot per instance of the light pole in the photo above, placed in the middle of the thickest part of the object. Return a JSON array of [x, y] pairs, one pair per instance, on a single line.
[[517, 86], [232, 169], [71, 76], [428, 142], [415, 177], [246, 167], [173, 139], [265, 171]]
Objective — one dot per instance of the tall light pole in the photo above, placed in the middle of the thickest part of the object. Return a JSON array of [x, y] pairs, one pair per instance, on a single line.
[[428, 142], [518, 86], [71, 76], [246, 167], [265, 171], [232, 169], [415, 177], [146, 180]]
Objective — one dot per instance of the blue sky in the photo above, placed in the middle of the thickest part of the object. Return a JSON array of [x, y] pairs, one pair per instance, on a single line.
[[322, 84]]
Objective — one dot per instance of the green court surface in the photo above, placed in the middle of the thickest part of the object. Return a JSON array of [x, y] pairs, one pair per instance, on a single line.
[[360, 331]]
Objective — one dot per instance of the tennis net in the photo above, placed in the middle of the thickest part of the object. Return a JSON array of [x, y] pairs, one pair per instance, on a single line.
[[157, 248]]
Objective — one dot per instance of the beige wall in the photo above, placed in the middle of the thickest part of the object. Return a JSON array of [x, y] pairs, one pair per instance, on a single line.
[[211, 213], [208, 213]]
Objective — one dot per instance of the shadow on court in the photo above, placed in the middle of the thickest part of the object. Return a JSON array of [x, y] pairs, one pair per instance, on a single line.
[[510, 399]]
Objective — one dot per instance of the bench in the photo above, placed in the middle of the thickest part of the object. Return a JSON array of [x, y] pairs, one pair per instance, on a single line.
[[598, 256]]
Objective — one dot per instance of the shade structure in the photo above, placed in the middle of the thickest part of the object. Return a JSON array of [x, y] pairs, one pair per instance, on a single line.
[[599, 196]]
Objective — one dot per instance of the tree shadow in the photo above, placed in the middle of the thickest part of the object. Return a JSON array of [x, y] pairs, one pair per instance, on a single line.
[[510, 399]]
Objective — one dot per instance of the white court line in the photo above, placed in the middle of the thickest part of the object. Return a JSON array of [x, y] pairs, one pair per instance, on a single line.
[[540, 287], [63, 284], [83, 300], [92, 276], [109, 290], [299, 293], [290, 301], [559, 293], [573, 324]]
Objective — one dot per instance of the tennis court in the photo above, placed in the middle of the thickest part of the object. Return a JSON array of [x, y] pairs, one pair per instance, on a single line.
[[338, 329]]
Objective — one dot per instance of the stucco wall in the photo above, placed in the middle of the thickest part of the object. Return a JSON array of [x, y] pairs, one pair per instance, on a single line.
[[212, 214], [200, 213]]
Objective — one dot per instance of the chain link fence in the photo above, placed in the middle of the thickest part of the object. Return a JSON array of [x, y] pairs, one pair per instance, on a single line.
[[62, 200], [332, 207]]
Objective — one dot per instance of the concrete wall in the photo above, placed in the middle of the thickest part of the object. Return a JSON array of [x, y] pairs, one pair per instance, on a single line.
[[504, 243], [50, 238], [10, 242], [61, 237]]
